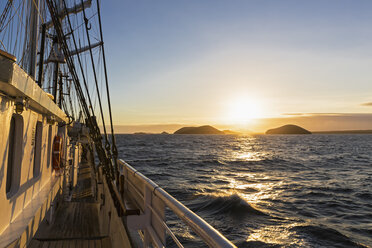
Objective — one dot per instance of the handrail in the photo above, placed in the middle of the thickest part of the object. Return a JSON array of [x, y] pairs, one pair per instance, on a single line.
[[210, 236], [164, 224]]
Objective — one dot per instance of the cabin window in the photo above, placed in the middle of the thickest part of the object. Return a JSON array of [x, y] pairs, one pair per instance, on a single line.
[[37, 148], [49, 155], [15, 152], [11, 142]]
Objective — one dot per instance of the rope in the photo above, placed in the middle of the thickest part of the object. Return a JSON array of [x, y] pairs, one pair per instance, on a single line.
[[3, 45], [90, 120], [114, 148], [42, 19], [78, 57], [107, 144], [5, 13]]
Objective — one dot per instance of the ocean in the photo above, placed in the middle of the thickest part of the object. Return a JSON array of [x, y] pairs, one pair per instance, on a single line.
[[264, 191]]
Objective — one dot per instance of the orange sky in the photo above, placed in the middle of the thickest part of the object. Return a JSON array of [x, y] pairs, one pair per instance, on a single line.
[[226, 63]]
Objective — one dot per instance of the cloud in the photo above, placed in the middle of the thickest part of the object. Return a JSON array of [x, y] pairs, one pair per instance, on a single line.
[[367, 104], [328, 114], [295, 114]]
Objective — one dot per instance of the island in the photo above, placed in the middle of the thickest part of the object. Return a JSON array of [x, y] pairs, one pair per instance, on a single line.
[[199, 130], [231, 132], [345, 132], [141, 133], [288, 129]]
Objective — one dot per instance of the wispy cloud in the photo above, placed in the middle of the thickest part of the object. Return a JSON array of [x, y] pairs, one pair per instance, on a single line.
[[295, 114], [319, 114], [367, 104]]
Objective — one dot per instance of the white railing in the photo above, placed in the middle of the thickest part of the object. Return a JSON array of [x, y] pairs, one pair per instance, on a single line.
[[152, 201]]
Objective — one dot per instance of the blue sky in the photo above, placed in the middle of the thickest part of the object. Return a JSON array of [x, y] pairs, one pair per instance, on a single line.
[[186, 61]]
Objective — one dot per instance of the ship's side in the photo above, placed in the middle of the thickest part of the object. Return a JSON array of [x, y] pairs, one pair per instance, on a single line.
[[28, 183]]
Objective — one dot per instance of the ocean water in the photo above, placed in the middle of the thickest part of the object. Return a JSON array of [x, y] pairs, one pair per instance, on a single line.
[[264, 191]]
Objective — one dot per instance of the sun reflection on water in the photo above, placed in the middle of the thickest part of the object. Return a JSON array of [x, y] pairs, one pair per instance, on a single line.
[[253, 192], [257, 189], [277, 235], [248, 156]]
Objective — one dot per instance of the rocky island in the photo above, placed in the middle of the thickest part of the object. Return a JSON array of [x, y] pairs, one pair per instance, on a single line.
[[199, 130], [231, 132], [288, 129]]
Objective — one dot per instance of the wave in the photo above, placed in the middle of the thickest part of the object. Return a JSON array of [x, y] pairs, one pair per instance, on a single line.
[[273, 160], [213, 162], [315, 194], [229, 204], [364, 195], [324, 236], [364, 231], [334, 189], [256, 244], [202, 163]]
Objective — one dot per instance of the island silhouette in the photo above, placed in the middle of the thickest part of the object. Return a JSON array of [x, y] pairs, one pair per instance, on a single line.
[[288, 129], [199, 130]]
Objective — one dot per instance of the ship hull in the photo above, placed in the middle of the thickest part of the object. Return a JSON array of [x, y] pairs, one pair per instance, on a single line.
[[29, 185]]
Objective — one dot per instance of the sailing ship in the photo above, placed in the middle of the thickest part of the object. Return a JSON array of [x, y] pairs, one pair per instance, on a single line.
[[62, 182]]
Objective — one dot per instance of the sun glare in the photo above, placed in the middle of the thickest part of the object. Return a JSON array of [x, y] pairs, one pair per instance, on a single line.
[[244, 110]]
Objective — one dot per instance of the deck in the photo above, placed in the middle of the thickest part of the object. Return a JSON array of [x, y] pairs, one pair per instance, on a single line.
[[76, 221]]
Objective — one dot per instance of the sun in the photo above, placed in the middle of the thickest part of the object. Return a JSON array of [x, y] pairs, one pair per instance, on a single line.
[[243, 110]]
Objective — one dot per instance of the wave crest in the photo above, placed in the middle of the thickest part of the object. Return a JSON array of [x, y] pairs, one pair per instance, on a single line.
[[228, 204]]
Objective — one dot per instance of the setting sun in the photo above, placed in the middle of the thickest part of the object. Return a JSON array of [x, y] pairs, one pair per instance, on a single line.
[[243, 110]]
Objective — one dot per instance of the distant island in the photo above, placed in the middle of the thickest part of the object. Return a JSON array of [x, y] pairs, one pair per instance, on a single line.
[[344, 132], [199, 130], [231, 132], [288, 129]]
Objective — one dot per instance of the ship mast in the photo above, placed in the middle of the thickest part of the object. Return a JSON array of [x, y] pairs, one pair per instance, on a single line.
[[56, 56], [34, 33]]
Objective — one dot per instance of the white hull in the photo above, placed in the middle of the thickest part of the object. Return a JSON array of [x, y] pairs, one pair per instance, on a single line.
[[30, 196]]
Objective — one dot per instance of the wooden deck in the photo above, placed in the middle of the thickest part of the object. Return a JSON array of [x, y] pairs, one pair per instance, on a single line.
[[78, 243], [76, 222]]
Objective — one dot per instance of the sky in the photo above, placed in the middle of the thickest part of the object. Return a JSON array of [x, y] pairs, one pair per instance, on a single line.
[[229, 62]]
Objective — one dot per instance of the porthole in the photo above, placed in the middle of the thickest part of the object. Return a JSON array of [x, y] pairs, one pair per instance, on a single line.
[[37, 148], [49, 155], [15, 154]]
